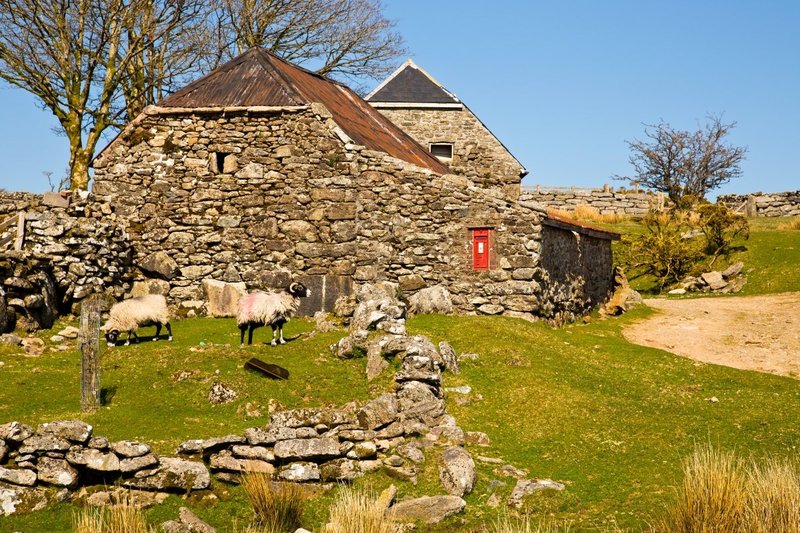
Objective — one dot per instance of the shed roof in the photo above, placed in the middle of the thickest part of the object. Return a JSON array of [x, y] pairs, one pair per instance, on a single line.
[[557, 220], [260, 79]]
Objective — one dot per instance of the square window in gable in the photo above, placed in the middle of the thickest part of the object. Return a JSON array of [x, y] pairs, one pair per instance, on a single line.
[[443, 151]]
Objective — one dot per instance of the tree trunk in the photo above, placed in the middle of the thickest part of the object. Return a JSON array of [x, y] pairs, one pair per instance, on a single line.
[[79, 168]]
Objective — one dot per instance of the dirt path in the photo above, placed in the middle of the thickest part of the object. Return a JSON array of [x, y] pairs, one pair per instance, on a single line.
[[749, 332]]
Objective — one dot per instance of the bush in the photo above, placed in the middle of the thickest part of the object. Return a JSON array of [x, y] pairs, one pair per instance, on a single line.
[[662, 250], [671, 247], [722, 492], [277, 507], [721, 227]]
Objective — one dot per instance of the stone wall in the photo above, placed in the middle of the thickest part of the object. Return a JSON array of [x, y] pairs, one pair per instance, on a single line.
[[14, 202], [477, 153], [69, 252], [781, 204], [259, 196], [605, 200]]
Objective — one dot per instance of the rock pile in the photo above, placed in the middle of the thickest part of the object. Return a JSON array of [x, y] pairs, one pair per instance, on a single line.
[[28, 299], [727, 281], [623, 299], [66, 455]]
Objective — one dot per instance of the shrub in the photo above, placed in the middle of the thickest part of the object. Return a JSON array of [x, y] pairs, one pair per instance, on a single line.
[[662, 250], [359, 512], [277, 507], [721, 227], [721, 492]]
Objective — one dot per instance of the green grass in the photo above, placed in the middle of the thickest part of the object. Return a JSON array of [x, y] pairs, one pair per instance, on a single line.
[[144, 401], [611, 420], [579, 405], [770, 256]]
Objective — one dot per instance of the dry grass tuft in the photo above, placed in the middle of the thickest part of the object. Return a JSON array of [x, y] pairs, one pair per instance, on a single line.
[[277, 507], [359, 512], [724, 493], [774, 498], [122, 518], [505, 524], [587, 213], [793, 224]]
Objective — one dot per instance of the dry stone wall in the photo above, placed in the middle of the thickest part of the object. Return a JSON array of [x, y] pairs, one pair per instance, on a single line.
[[781, 204], [255, 197], [70, 251], [605, 201], [477, 153]]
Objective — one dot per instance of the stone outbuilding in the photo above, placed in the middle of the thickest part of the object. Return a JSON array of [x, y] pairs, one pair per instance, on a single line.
[[437, 119], [261, 171]]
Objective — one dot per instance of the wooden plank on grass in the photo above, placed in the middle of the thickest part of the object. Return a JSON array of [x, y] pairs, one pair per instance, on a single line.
[[268, 369]]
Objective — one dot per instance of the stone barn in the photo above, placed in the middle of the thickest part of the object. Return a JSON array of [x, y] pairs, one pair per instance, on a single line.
[[261, 171]]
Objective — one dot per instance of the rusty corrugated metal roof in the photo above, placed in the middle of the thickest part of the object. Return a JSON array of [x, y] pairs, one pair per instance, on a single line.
[[259, 78]]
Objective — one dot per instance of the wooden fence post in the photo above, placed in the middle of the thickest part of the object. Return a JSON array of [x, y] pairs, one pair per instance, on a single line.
[[19, 242], [90, 354]]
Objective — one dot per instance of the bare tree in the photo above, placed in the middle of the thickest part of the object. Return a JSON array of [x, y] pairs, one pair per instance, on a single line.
[[75, 56], [342, 38], [685, 165]]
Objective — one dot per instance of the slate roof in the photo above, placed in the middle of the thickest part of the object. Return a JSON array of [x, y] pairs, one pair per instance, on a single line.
[[258, 78], [410, 83]]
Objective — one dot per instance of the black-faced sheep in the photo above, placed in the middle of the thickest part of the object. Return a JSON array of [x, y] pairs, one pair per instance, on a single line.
[[128, 315], [269, 308]]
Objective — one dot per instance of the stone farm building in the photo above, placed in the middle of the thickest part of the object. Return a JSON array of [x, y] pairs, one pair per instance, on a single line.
[[438, 120], [262, 170]]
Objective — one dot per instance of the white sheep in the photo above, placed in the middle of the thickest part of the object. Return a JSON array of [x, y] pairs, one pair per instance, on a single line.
[[269, 308], [128, 315]]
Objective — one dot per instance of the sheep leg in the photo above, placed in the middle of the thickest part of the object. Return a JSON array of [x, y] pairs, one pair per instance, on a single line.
[[158, 331], [169, 331], [274, 334], [242, 329], [250, 334], [280, 329], [135, 338]]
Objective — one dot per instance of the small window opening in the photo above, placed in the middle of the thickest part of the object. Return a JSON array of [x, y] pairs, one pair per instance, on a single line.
[[223, 163], [442, 150]]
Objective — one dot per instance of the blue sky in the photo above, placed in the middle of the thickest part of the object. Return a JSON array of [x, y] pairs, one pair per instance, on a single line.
[[565, 83]]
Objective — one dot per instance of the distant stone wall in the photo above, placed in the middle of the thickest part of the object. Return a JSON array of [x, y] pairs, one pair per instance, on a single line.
[[13, 202], [477, 154], [781, 204], [605, 201]]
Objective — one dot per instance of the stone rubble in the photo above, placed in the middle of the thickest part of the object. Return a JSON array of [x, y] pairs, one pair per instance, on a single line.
[[727, 281]]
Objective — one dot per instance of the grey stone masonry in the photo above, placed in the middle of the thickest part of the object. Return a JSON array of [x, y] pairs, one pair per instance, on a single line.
[[477, 153], [780, 204], [258, 196], [604, 200]]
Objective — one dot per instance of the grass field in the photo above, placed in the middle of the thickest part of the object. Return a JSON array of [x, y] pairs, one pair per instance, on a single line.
[[578, 404], [770, 255]]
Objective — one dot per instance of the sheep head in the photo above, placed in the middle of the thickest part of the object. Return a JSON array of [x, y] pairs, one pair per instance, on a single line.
[[298, 290]]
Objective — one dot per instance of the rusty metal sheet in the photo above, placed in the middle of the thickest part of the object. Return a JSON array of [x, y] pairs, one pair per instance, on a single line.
[[259, 78]]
